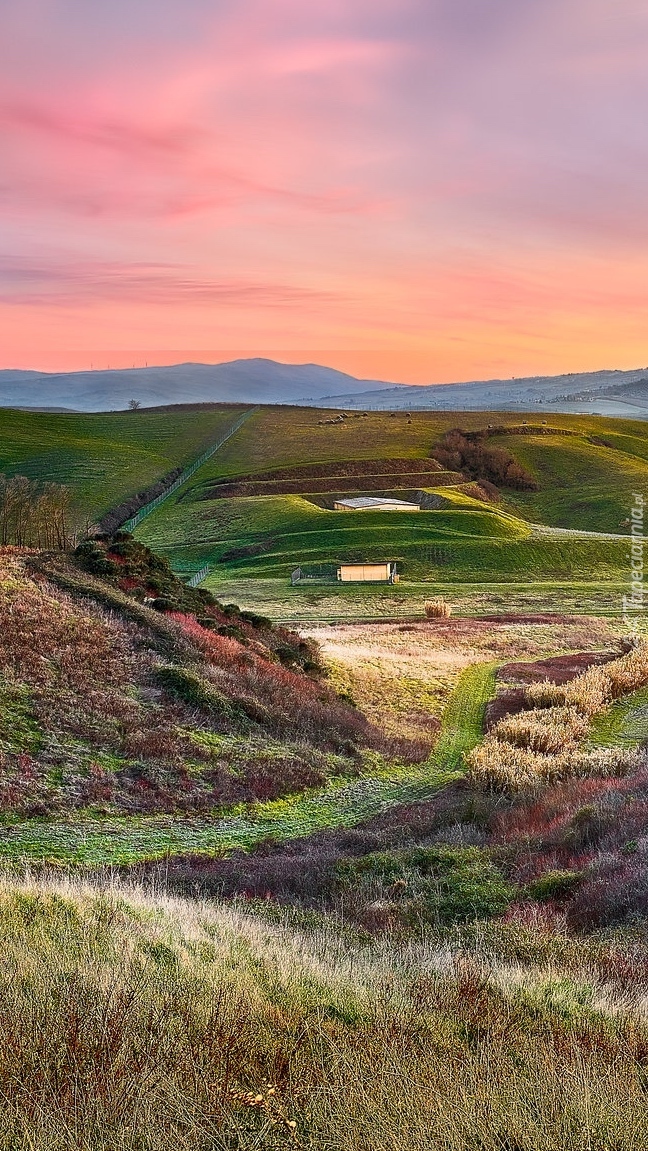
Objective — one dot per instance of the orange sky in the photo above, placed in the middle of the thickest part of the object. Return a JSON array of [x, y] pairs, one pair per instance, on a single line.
[[415, 190]]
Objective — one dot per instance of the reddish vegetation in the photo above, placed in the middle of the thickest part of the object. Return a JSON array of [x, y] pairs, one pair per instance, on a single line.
[[86, 722], [594, 826], [558, 669]]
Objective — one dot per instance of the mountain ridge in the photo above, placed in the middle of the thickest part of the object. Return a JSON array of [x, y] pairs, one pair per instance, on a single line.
[[259, 380]]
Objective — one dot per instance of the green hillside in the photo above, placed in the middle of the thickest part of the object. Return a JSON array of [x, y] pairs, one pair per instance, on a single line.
[[586, 467], [582, 484], [108, 456]]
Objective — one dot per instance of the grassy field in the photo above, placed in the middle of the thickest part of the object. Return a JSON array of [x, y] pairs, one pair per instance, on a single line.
[[253, 543], [625, 724], [265, 538], [587, 479], [107, 456], [160, 1024], [583, 485]]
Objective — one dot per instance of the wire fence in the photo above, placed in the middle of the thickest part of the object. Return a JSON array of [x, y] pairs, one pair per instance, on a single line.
[[132, 523], [199, 576]]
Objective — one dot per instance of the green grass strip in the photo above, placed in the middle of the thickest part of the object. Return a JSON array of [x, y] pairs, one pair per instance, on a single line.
[[463, 720], [624, 724], [340, 804]]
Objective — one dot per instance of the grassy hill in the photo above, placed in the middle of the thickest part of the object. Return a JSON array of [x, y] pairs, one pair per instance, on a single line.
[[154, 1023], [295, 460], [109, 456]]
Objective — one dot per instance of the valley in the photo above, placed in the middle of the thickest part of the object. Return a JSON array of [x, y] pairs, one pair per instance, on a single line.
[[287, 831]]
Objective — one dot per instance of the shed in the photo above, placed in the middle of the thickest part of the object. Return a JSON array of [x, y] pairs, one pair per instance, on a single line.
[[374, 504], [367, 573]]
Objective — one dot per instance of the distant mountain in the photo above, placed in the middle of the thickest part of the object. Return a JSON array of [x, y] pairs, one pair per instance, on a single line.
[[606, 393], [609, 393], [245, 381]]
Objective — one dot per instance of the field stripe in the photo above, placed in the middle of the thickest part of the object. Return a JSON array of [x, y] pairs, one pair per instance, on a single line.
[[340, 804], [186, 475], [463, 720]]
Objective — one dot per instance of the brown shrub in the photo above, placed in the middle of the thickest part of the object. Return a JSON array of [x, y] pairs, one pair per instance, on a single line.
[[438, 609]]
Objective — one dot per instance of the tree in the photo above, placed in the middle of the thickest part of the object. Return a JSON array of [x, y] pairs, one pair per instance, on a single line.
[[134, 405], [33, 514]]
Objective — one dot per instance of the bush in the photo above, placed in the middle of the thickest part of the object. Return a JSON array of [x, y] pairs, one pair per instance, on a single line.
[[554, 885], [442, 885], [192, 690]]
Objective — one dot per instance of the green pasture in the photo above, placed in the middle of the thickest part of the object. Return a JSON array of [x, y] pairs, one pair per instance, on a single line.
[[624, 724], [279, 437], [108, 456], [583, 485], [276, 599], [266, 537]]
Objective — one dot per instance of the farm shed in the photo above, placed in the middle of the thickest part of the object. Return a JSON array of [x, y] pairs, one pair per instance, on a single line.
[[374, 504], [367, 573]]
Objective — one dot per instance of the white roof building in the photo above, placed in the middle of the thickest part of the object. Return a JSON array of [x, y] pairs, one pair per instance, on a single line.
[[375, 504]]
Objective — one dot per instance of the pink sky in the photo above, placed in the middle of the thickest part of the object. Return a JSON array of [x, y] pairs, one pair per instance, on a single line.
[[419, 190]]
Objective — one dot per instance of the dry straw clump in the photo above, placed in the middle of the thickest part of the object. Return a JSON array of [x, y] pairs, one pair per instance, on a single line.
[[504, 767], [546, 730], [542, 745], [438, 609]]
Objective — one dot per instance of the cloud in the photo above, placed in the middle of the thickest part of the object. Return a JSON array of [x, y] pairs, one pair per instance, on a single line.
[[361, 158], [83, 283]]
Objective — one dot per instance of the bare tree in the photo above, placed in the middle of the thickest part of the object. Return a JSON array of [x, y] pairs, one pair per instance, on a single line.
[[34, 514], [134, 405]]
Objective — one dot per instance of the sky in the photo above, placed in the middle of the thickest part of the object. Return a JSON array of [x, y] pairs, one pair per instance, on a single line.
[[414, 190]]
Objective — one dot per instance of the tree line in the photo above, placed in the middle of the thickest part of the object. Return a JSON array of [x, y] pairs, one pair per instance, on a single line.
[[34, 514], [465, 452]]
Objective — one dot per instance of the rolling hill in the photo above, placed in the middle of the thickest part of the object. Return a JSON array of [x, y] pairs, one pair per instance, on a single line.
[[264, 381], [261, 506]]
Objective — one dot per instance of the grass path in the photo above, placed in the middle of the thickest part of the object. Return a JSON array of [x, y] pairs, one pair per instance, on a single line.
[[340, 804]]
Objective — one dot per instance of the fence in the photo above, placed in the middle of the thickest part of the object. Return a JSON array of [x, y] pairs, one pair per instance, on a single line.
[[132, 523], [314, 573], [199, 576]]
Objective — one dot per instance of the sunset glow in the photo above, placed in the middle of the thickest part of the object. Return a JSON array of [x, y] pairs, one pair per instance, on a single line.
[[417, 190]]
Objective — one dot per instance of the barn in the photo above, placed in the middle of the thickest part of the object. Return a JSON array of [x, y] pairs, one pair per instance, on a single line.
[[374, 504], [367, 573]]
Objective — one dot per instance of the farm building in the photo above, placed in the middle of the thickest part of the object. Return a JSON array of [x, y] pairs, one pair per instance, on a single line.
[[367, 573], [374, 504]]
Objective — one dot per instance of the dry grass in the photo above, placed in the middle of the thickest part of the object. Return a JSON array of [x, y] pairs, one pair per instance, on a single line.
[[438, 609], [549, 730], [506, 767], [542, 745], [402, 675], [143, 1024]]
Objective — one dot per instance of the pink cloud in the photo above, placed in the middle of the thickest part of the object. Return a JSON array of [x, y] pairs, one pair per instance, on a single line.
[[416, 169]]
